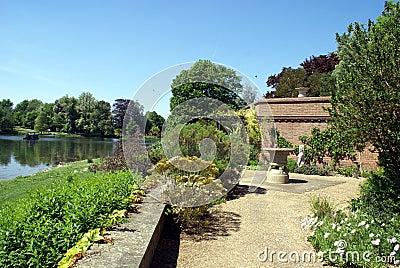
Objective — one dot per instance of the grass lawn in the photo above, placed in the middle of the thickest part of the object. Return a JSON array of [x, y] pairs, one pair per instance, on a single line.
[[11, 190], [22, 131]]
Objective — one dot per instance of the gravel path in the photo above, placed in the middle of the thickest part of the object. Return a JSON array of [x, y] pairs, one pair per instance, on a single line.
[[246, 231]]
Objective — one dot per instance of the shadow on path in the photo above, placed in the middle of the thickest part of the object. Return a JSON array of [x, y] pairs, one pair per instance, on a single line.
[[241, 190], [214, 224]]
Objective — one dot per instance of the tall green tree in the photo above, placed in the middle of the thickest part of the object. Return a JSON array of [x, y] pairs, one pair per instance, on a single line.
[[367, 103], [206, 79], [134, 119], [85, 106], [119, 108], [101, 120], [6, 116], [315, 73], [48, 109], [65, 114], [41, 121], [154, 120], [366, 107], [26, 112], [291, 79]]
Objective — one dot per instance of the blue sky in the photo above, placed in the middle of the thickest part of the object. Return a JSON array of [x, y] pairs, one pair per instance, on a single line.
[[110, 48]]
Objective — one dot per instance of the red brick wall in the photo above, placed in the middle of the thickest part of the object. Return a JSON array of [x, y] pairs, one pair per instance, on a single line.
[[295, 117]]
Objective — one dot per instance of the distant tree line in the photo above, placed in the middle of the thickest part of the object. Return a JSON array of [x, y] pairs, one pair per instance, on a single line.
[[315, 73], [84, 115]]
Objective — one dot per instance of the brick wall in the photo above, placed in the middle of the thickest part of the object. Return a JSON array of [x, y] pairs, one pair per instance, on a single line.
[[295, 117]]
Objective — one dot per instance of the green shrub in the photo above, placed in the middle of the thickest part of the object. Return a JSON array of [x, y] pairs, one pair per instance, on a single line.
[[351, 171], [380, 193], [291, 165], [38, 229], [156, 152], [313, 170]]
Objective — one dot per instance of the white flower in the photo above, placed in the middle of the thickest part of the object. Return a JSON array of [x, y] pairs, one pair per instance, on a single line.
[[320, 223], [393, 253], [376, 242], [393, 240], [392, 219], [367, 226], [346, 219], [345, 234], [338, 228], [353, 231], [383, 224], [333, 226], [326, 235], [349, 224], [371, 235], [372, 221], [361, 223], [396, 248], [341, 222], [396, 262]]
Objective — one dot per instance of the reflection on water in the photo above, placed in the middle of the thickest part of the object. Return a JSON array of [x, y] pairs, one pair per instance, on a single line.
[[19, 157]]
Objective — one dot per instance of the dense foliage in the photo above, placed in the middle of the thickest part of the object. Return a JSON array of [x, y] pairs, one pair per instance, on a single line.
[[206, 79], [84, 115], [6, 116], [253, 131], [37, 230], [315, 74], [366, 111], [154, 123], [326, 143], [366, 108]]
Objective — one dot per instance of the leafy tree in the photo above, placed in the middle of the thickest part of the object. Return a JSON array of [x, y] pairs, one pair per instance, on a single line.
[[20, 112], [367, 104], [41, 121], [48, 109], [101, 120], [315, 74], [154, 120], [249, 95], [205, 79], [118, 112], [326, 143], [291, 79], [134, 119], [85, 106], [65, 114], [321, 64], [26, 113], [6, 116], [366, 107]]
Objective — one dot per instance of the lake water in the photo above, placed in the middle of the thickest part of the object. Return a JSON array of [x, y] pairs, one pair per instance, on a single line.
[[21, 158]]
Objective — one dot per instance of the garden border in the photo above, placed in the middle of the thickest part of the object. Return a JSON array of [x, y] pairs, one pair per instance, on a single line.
[[134, 242]]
